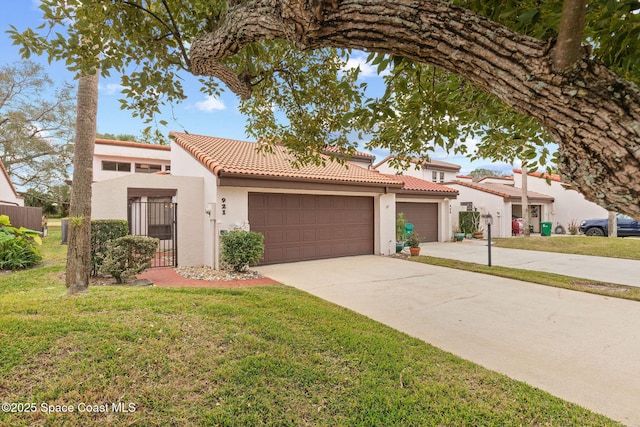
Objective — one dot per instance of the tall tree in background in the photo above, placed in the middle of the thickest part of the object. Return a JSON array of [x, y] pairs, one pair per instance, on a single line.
[[36, 126], [478, 174], [79, 241]]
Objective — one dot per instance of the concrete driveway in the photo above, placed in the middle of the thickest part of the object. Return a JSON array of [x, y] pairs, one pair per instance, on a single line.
[[581, 347]]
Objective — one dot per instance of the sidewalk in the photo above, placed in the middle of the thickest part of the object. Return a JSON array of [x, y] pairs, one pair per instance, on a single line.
[[610, 270]]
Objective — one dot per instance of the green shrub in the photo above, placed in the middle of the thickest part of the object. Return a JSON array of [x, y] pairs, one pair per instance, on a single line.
[[18, 246], [127, 256], [413, 240], [469, 221], [102, 232], [242, 248], [401, 225]]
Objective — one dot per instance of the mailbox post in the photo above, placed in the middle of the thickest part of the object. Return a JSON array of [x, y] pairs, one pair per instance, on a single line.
[[489, 219]]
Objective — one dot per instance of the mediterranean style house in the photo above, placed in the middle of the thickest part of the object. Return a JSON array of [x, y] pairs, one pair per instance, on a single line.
[[316, 211]]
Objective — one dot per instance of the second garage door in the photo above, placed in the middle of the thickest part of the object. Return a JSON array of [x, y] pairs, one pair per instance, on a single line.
[[423, 216], [299, 227]]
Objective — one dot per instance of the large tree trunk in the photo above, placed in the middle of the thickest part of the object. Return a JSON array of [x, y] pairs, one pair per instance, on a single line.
[[79, 242], [591, 113]]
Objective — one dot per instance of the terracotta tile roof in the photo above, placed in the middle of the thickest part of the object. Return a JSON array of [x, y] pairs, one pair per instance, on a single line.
[[6, 175], [436, 163], [231, 157], [552, 177], [502, 178], [505, 191], [360, 154], [416, 184], [132, 144]]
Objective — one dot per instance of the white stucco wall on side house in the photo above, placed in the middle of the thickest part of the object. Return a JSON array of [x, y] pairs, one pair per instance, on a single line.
[[569, 205], [485, 203]]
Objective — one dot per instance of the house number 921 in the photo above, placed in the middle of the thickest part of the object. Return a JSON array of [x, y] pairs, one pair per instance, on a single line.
[[223, 206]]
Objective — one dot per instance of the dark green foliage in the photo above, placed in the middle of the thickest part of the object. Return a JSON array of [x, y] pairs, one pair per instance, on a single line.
[[242, 248], [469, 222], [413, 240], [128, 255], [17, 246], [102, 232]]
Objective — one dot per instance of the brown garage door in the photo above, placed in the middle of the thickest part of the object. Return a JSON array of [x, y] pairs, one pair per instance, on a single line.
[[299, 227], [423, 216]]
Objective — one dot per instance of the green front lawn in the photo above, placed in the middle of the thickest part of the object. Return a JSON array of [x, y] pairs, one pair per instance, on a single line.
[[628, 248], [267, 355]]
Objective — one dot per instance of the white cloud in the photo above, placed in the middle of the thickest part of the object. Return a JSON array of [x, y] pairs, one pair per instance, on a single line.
[[211, 103], [111, 88], [366, 70]]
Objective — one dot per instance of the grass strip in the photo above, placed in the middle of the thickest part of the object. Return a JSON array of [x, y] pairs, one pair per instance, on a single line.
[[269, 355], [626, 248], [539, 277]]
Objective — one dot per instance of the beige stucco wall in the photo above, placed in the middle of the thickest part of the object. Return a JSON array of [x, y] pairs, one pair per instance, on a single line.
[[109, 201], [236, 202], [420, 172], [125, 154], [486, 203]]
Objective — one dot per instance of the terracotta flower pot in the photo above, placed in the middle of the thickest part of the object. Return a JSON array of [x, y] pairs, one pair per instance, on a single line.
[[414, 251]]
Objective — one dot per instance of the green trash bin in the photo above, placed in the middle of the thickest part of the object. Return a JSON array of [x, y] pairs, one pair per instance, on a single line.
[[545, 228]]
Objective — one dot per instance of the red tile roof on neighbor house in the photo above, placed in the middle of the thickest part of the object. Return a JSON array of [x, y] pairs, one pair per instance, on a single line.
[[225, 157], [132, 144], [505, 191], [6, 175], [416, 184], [437, 164], [543, 175]]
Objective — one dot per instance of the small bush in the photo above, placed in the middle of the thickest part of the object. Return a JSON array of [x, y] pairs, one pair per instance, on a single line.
[[127, 256], [18, 246], [413, 240], [573, 227], [242, 248], [102, 232]]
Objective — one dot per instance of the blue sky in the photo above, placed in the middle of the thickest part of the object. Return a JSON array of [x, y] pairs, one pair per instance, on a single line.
[[198, 114]]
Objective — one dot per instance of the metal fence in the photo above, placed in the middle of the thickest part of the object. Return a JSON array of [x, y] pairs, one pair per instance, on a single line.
[[156, 219], [21, 216]]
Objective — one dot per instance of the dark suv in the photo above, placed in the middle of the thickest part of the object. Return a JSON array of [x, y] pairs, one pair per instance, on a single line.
[[627, 226]]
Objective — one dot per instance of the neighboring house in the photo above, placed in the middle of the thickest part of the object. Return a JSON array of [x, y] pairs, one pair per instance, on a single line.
[[359, 158], [426, 205], [569, 206], [506, 180], [503, 202], [112, 159], [8, 194], [217, 185], [434, 170]]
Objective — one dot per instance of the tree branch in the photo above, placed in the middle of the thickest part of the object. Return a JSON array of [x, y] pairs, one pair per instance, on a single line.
[[592, 114], [567, 50]]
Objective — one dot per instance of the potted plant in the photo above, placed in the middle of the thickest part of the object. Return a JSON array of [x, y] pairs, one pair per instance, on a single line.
[[401, 224], [479, 233], [457, 233], [413, 241]]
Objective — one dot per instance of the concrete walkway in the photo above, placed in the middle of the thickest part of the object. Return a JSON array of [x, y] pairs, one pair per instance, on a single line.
[[581, 347], [611, 270]]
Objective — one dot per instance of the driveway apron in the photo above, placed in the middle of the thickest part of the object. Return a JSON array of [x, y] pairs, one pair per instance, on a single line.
[[581, 347]]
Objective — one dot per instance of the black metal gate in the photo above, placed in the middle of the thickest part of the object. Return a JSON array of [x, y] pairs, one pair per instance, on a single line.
[[156, 218]]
